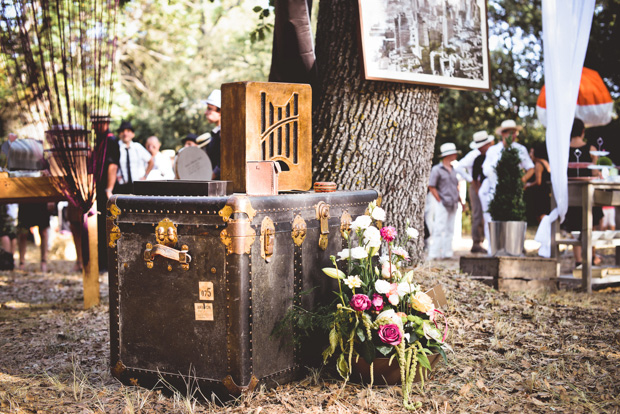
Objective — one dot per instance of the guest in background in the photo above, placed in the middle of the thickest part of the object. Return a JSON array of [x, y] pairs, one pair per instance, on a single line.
[[537, 190], [214, 116], [482, 141], [31, 215], [7, 234], [105, 188], [134, 159], [160, 167], [189, 140], [6, 145], [579, 151], [443, 185]]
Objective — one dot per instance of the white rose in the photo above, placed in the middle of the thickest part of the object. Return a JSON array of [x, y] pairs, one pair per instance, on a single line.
[[412, 233], [361, 222], [372, 237], [359, 253], [378, 214], [382, 286]]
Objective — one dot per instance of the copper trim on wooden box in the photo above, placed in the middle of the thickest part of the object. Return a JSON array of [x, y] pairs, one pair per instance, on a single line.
[[264, 121]]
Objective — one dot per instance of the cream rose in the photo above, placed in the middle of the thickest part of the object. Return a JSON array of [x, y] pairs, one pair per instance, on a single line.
[[422, 302]]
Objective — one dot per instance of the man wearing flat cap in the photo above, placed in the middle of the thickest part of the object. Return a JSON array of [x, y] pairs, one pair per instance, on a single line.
[[134, 159], [443, 186], [508, 129]]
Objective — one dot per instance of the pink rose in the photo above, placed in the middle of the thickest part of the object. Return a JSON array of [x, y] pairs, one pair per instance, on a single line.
[[377, 302], [390, 334], [388, 233], [360, 302]]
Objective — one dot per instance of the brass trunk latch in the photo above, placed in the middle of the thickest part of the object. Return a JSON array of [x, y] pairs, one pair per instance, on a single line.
[[166, 237], [345, 224], [238, 236], [322, 214], [300, 229], [267, 238]]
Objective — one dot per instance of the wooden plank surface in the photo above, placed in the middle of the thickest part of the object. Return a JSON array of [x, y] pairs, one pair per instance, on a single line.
[[517, 285], [28, 190]]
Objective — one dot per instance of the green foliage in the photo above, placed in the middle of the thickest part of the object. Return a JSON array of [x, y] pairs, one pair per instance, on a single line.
[[264, 25], [507, 203]]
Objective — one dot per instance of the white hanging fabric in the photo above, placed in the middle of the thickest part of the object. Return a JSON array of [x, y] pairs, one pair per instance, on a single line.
[[566, 31]]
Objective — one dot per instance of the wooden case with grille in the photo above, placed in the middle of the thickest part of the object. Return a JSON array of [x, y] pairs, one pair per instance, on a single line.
[[265, 121]]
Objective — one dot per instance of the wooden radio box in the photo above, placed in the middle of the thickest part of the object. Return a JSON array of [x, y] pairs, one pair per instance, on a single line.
[[264, 121]]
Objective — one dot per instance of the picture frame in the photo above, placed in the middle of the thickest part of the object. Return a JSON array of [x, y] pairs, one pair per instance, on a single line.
[[429, 42]]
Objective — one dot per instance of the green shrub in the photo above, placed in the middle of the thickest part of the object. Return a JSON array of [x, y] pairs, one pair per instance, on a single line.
[[507, 203]]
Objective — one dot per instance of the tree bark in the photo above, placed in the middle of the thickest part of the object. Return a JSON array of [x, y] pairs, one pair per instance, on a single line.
[[370, 134]]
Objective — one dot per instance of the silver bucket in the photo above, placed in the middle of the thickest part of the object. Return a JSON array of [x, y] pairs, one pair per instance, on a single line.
[[506, 238]]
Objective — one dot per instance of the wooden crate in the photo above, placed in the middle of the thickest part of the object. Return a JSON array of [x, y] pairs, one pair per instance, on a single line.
[[513, 273]]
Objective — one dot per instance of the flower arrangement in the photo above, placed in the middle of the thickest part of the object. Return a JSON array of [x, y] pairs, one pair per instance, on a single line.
[[381, 312]]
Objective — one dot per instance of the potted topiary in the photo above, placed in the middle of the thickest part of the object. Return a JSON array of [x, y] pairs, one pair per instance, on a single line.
[[507, 208]]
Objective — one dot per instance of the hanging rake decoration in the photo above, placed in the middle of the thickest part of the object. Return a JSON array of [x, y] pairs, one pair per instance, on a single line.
[[58, 56]]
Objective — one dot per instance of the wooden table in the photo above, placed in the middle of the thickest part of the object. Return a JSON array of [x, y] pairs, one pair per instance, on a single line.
[[586, 194], [42, 190]]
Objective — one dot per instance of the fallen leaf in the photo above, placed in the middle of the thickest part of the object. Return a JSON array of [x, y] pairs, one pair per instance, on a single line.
[[465, 389]]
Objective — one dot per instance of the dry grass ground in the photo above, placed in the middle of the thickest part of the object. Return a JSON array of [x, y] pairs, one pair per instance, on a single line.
[[521, 353]]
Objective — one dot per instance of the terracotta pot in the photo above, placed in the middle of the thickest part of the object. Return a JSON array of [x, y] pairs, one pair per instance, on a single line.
[[384, 373]]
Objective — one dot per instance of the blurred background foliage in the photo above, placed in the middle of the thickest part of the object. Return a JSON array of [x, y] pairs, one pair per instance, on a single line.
[[173, 53]]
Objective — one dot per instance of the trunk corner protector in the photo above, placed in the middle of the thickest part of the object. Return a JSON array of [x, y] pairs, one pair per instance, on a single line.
[[236, 390], [118, 369]]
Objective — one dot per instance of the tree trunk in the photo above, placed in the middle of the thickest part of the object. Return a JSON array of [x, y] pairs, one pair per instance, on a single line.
[[370, 134]]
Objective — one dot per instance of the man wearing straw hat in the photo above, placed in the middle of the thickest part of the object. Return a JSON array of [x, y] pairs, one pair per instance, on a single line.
[[443, 185], [508, 129], [472, 162]]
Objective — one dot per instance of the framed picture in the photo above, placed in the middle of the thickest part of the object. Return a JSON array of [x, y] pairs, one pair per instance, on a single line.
[[431, 42]]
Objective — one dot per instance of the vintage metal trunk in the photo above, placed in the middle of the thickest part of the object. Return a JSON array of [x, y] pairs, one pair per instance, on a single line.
[[197, 284]]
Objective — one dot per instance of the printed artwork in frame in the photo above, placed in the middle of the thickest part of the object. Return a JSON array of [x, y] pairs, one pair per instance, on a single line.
[[432, 42]]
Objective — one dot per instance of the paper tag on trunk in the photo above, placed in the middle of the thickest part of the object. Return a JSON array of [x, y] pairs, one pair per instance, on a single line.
[[204, 311]]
